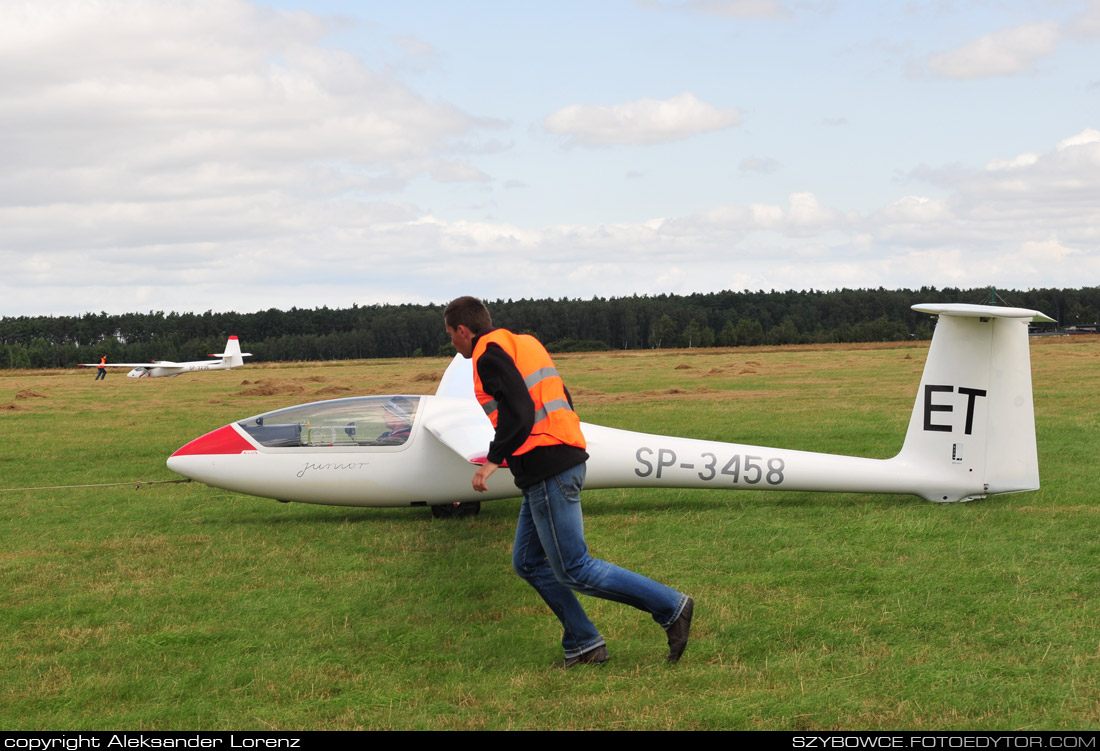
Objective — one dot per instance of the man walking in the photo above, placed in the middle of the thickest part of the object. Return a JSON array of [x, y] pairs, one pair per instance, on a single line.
[[539, 435]]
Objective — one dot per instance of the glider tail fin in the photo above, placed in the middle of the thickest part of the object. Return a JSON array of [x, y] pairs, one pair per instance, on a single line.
[[233, 357], [973, 424]]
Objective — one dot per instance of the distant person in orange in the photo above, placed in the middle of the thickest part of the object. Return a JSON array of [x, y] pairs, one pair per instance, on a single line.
[[102, 372]]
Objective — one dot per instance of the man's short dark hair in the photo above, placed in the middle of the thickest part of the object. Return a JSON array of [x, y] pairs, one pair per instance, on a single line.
[[469, 312]]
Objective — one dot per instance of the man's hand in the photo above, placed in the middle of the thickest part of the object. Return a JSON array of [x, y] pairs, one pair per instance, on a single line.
[[482, 476]]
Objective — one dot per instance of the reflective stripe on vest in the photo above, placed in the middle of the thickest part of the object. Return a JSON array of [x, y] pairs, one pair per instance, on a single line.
[[530, 382], [555, 421]]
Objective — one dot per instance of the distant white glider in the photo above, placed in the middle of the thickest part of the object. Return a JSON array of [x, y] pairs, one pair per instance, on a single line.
[[229, 359], [972, 434]]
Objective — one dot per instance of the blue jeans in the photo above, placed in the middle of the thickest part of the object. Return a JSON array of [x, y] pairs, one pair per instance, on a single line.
[[550, 554]]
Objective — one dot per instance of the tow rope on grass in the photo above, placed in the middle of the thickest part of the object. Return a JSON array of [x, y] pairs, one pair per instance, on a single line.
[[136, 483]]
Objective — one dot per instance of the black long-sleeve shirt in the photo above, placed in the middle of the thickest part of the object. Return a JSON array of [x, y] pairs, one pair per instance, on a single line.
[[515, 418]]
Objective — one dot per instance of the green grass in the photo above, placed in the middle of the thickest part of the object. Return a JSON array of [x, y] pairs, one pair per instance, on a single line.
[[179, 606]]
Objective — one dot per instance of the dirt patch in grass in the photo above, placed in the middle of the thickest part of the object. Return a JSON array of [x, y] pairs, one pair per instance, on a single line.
[[730, 370], [271, 387], [29, 394], [334, 390], [12, 407], [426, 377]]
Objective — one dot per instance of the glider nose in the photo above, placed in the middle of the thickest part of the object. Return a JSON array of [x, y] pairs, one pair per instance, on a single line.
[[189, 459]]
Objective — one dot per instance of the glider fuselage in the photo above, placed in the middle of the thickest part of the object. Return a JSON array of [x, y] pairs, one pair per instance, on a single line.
[[971, 433]]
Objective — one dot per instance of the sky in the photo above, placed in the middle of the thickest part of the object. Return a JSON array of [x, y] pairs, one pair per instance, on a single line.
[[237, 155]]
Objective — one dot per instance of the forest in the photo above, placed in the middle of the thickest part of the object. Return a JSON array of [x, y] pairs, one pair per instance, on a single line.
[[719, 319]]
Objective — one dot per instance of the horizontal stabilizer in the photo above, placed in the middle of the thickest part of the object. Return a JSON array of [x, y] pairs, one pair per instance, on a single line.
[[965, 310]]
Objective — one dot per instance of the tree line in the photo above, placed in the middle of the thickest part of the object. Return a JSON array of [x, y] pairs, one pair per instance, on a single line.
[[722, 319]]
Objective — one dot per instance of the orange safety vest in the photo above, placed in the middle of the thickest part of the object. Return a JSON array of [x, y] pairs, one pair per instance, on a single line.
[[555, 421]]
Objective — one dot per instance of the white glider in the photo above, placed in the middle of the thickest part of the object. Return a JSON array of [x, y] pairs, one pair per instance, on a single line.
[[229, 359], [971, 434]]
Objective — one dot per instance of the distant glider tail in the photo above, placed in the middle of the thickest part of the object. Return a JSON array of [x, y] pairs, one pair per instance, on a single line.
[[233, 357], [973, 423]]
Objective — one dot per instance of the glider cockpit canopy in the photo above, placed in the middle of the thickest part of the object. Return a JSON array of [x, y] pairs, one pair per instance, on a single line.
[[358, 421]]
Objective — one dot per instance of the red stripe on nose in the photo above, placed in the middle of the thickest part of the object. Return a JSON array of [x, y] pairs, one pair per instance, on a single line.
[[221, 441]]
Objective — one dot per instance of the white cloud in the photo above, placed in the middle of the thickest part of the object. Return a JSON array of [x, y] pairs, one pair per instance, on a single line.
[[452, 171], [765, 165], [1044, 227], [725, 8], [170, 145], [1041, 229], [804, 214], [1084, 138], [1023, 160], [914, 210], [1045, 251], [417, 50], [195, 154], [642, 122], [741, 8], [806, 211], [153, 100], [765, 216], [1087, 24], [1063, 180], [1001, 53]]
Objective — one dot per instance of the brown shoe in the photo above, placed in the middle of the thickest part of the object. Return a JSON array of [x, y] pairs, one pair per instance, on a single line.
[[678, 632], [594, 656]]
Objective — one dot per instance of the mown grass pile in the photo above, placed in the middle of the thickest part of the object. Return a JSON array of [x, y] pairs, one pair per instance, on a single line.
[[179, 606]]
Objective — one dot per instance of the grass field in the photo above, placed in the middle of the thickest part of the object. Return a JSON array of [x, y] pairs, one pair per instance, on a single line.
[[178, 606]]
